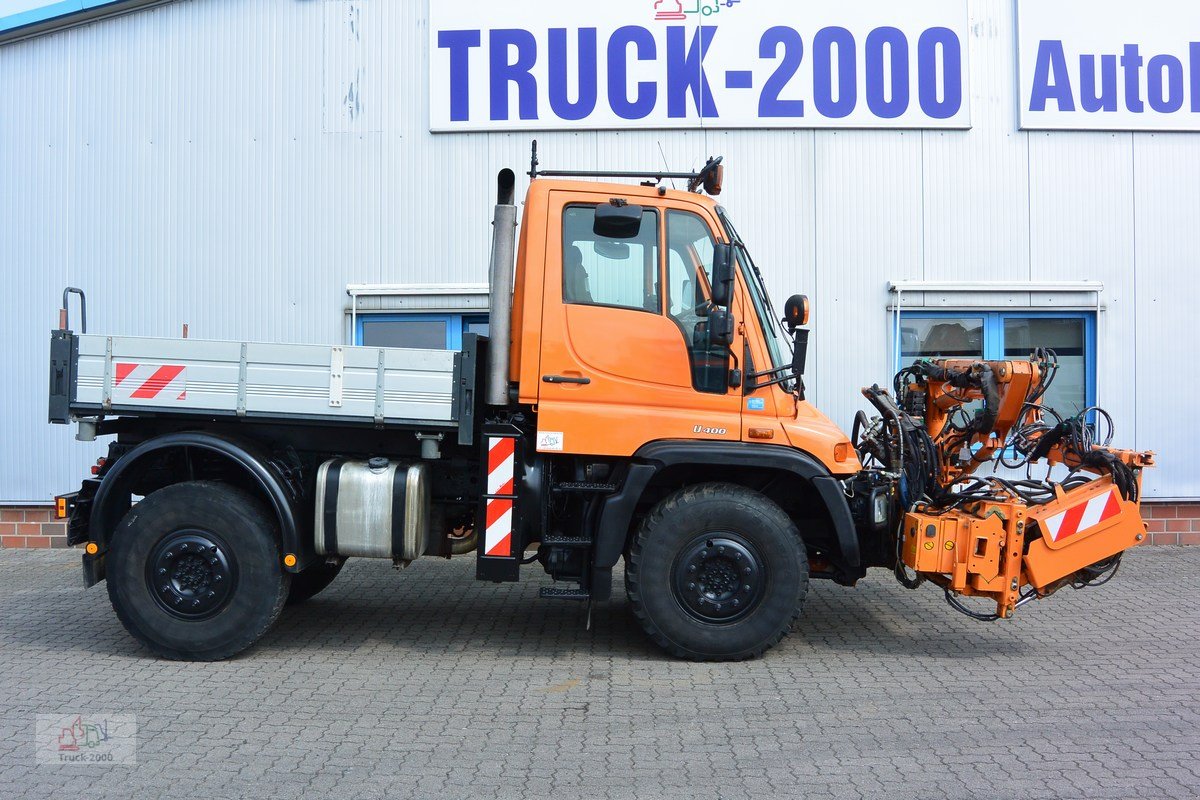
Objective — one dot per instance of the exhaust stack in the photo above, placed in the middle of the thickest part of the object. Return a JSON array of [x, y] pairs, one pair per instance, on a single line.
[[500, 288]]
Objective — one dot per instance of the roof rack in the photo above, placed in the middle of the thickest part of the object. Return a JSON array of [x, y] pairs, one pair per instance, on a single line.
[[710, 176]]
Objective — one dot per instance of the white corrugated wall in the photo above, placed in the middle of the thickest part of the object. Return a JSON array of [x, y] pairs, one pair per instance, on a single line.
[[233, 164]]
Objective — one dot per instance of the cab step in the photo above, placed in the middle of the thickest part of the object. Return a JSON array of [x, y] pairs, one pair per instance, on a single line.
[[556, 540], [563, 593], [584, 486]]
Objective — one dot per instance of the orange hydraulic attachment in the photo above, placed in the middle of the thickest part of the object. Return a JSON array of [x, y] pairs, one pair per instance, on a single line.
[[997, 546]]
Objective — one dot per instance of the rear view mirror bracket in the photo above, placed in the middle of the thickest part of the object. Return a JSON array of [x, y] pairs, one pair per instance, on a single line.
[[617, 220], [722, 274]]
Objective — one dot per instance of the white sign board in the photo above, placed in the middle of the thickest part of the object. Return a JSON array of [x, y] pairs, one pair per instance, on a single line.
[[1110, 65], [698, 63]]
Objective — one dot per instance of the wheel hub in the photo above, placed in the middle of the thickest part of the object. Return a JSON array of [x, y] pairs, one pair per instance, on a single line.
[[191, 574], [719, 577]]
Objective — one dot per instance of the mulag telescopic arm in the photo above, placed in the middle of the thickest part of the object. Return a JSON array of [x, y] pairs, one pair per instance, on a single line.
[[956, 435]]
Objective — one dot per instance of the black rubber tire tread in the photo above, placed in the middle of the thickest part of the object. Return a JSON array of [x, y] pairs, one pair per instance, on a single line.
[[251, 534], [678, 518], [310, 582]]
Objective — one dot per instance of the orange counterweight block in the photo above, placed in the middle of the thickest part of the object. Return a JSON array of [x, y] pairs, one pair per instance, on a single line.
[[995, 549]]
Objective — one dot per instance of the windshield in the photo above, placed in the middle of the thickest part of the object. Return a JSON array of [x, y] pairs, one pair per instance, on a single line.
[[768, 320]]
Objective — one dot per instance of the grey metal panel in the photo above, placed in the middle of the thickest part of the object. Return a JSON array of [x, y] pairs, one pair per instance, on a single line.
[[1167, 190], [868, 230], [1082, 228], [976, 203], [176, 164]]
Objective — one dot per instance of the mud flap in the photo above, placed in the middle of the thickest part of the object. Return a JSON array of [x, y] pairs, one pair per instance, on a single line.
[[498, 553]]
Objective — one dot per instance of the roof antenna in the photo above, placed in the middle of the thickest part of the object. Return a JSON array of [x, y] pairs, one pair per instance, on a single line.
[[666, 166]]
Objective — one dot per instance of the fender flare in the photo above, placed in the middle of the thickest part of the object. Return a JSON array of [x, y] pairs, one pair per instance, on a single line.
[[108, 508], [618, 509]]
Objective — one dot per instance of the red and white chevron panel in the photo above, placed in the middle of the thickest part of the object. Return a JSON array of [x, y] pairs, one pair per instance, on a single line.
[[497, 536], [163, 382], [1083, 516]]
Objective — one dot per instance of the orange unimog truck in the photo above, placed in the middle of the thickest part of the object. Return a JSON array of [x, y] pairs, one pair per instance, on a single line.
[[637, 398]]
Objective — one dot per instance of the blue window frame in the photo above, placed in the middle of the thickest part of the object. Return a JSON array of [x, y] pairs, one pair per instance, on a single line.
[[424, 331], [1000, 335]]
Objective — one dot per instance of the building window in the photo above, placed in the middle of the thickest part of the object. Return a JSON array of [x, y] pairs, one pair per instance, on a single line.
[[421, 331], [999, 336]]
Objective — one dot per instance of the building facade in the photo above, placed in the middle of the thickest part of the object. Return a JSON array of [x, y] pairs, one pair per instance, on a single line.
[[266, 170]]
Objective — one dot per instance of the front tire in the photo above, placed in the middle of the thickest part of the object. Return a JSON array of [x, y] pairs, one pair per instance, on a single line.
[[194, 571], [717, 572]]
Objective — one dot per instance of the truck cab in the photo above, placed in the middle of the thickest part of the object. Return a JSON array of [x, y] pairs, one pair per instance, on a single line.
[[613, 340]]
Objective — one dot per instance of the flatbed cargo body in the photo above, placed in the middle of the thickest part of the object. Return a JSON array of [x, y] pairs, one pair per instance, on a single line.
[[127, 375]]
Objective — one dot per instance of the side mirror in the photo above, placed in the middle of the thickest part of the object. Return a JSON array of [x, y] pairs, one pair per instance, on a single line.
[[617, 221], [722, 274], [720, 327]]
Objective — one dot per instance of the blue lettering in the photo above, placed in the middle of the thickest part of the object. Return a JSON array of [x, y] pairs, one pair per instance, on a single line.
[[1106, 99], [586, 102], [618, 72], [1131, 62], [518, 72], [1168, 98], [769, 104], [1050, 78], [1194, 51], [847, 90], [685, 72], [459, 43], [927, 72], [877, 94]]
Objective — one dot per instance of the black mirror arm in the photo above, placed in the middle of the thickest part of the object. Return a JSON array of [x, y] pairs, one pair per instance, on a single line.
[[773, 382], [764, 373]]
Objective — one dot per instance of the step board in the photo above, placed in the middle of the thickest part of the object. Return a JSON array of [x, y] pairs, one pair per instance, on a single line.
[[566, 541], [584, 486], [562, 593]]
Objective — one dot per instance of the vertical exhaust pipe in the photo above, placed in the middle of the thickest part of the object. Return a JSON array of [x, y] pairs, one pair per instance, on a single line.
[[500, 288]]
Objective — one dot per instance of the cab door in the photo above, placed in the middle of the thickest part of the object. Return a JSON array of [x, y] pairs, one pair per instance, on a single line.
[[625, 358]]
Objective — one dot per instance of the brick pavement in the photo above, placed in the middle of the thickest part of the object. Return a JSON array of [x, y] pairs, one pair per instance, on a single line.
[[428, 684]]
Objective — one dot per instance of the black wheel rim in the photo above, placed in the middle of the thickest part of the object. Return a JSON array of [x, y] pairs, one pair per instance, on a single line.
[[191, 574], [719, 577]]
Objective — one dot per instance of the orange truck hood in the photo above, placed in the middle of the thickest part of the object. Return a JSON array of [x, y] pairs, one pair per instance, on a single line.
[[816, 434]]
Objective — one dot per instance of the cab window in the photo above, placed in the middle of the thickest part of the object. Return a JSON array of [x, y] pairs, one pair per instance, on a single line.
[[600, 271], [690, 248]]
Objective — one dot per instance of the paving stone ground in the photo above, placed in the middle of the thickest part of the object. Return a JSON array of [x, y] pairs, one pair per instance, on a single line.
[[428, 684]]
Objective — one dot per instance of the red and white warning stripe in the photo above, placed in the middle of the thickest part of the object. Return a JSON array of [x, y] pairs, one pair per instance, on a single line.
[[149, 382], [497, 537], [1083, 516]]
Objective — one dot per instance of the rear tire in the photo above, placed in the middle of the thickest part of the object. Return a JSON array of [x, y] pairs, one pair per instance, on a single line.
[[194, 571], [717, 572], [312, 581]]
